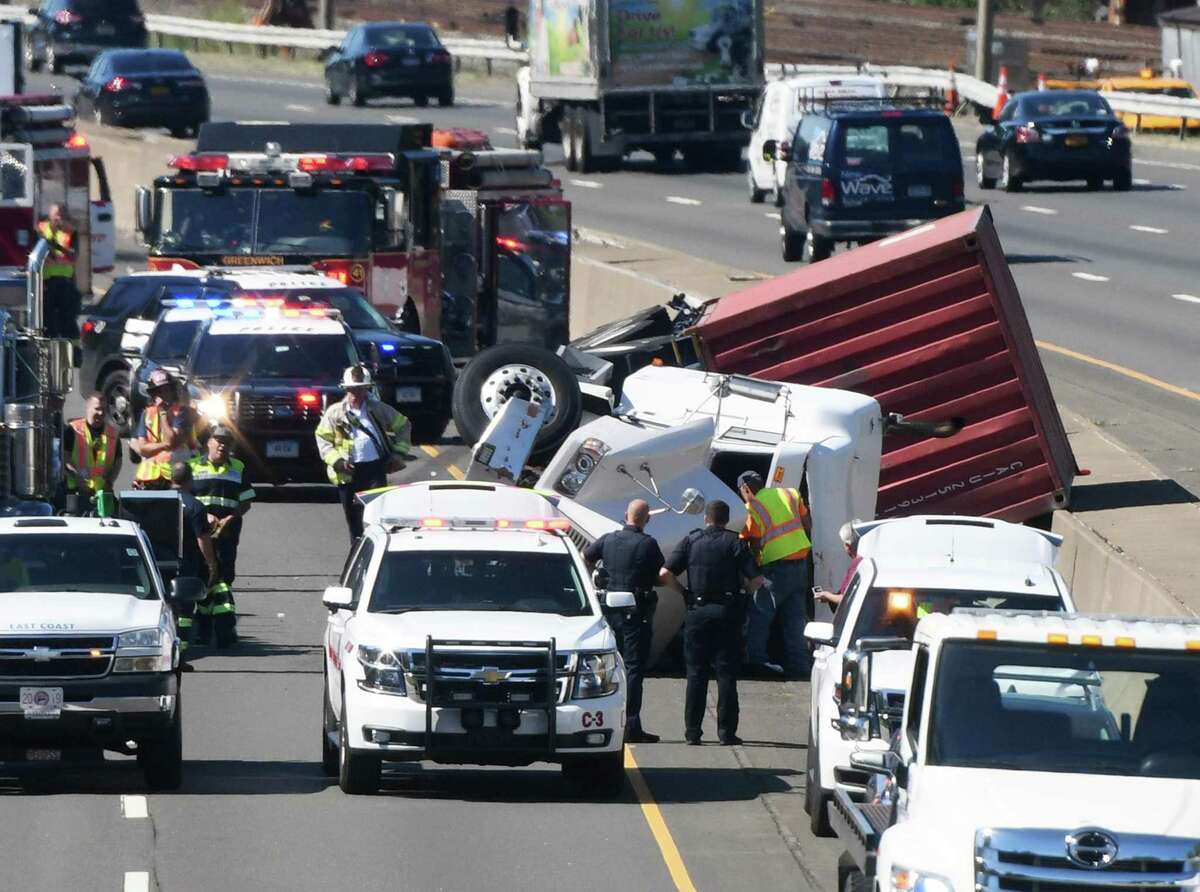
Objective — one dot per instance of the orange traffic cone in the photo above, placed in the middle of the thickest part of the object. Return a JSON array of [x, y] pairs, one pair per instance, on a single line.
[[1002, 95], [1041, 85], [952, 95]]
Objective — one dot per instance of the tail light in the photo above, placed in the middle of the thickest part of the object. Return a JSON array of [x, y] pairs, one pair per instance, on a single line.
[[828, 192], [1120, 132], [307, 399], [118, 84], [439, 57], [1028, 134], [375, 58], [67, 17], [76, 141]]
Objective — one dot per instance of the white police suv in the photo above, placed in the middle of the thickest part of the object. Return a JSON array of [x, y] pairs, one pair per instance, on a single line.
[[466, 630]]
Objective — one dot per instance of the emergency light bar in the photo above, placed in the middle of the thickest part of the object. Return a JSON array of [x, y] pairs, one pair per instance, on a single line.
[[537, 524], [248, 308], [266, 163]]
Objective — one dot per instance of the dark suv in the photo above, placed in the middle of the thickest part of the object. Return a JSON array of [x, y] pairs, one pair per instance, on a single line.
[[74, 32], [859, 171]]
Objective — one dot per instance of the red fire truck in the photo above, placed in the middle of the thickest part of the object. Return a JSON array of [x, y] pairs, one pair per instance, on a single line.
[[465, 246]]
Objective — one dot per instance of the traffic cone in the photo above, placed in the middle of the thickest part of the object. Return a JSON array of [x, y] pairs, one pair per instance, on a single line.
[[952, 95], [1041, 85], [1002, 95]]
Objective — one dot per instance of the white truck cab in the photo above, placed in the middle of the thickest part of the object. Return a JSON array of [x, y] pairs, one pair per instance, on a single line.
[[89, 656], [911, 567], [777, 114], [1036, 751], [466, 629]]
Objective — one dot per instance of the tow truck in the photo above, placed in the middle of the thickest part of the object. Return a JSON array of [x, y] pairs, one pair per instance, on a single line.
[[1034, 751], [471, 247], [500, 657]]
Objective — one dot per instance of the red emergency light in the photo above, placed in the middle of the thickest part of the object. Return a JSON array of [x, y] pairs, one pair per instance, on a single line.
[[378, 163], [308, 399], [510, 244], [76, 141], [200, 161]]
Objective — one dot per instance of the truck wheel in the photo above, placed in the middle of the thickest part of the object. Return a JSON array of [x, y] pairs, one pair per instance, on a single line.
[[757, 195], [161, 760], [525, 140], [570, 145], [523, 370], [585, 161], [816, 248], [329, 749], [32, 61], [357, 775], [791, 242], [598, 775], [115, 388], [816, 802]]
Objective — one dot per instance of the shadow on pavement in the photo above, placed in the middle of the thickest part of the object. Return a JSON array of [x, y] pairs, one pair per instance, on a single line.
[[1129, 494], [1045, 258], [296, 493]]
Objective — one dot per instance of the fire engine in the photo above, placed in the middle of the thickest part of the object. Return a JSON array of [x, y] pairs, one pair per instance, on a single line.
[[467, 245]]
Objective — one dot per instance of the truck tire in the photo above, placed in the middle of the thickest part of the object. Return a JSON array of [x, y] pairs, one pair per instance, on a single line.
[[816, 248], [570, 145], [757, 195], [329, 750], [161, 760], [602, 775], [358, 775], [525, 138], [791, 243], [31, 60], [517, 369], [816, 803]]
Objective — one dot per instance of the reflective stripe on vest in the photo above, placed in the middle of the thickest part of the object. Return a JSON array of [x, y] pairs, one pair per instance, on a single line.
[[778, 513], [159, 467], [219, 487], [61, 262], [93, 459]]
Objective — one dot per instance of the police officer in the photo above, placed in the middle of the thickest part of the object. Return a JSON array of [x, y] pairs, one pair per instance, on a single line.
[[632, 560], [716, 561]]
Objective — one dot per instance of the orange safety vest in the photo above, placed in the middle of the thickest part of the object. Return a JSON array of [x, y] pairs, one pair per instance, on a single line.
[[777, 521], [159, 467], [93, 458]]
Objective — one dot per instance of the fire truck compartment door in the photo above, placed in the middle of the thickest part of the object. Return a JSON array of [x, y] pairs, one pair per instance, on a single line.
[[104, 237]]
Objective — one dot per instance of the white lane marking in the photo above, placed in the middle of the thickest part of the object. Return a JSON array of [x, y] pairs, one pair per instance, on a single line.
[[1034, 209], [1187, 298], [401, 119], [1090, 277], [1137, 181], [137, 881], [774, 216], [1177, 187], [1153, 230], [506, 131], [134, 807], [587, 184], [679, 199], [291, 106], [1173, 165]]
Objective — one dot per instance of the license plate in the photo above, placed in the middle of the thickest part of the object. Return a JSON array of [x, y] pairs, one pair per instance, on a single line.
[[408, 394], [159, 91], [1076, 140], [106, 30], [41, 703], [920, 191], [43, 755], [410, 60], [283, 449]]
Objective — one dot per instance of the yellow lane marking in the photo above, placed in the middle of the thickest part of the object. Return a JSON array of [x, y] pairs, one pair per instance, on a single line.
[[431, 451], [456, 473], [1122, 370], [658, 826]]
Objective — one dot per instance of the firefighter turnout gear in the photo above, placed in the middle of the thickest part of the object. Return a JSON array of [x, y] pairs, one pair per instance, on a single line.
[[222, 488], [93, 456], [390, 431]]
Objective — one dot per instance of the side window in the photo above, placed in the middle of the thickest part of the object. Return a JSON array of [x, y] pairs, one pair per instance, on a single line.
[[151, 307], [358, 570], [356, 41], [916, 697], [1009, 112], [125, 297], [843, 609]]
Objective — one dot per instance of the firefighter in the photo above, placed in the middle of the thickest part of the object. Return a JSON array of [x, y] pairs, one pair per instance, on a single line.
[[220, 484], [361, 441], [199, 557], [62, 299], [167, 432], [91, 451]]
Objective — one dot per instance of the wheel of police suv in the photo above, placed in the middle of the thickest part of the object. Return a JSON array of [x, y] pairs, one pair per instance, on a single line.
[[329, 749], [357, 774], [815, 803], [517, 370]]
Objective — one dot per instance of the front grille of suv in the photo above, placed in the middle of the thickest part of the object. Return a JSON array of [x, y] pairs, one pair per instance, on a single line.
[[56, 656]]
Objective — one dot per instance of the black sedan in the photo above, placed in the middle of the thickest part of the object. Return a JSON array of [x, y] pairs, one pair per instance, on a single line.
[[145, 88], [389, 59], [72, 32], [1054, 135]]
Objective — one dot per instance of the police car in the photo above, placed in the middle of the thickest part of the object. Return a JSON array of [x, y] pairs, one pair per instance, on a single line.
[[89, 656], [465, 629]]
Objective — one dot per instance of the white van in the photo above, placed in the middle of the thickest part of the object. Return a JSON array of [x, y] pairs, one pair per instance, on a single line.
[[777, 114]]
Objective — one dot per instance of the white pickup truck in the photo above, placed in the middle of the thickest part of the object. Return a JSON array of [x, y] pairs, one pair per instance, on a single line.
[[466, 630], [911, 567], [89, 657], [1036, 752]]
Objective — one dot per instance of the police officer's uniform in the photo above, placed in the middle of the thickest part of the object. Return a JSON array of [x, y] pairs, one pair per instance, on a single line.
[[632, 560], [716, 561]]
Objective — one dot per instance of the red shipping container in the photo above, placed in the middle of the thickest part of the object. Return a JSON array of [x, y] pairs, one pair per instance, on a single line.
[[929, 323]]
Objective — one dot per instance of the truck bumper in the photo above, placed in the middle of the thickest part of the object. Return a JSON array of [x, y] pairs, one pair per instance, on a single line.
[[867, 230], [393, 727]]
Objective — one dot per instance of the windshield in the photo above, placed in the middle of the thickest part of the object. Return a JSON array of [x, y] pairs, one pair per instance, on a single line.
[[478, 580], [315, 358], [192, 220], [356, 312], [39, 562], [323, 222], [1073, 709], [889, 611], [172, 340]]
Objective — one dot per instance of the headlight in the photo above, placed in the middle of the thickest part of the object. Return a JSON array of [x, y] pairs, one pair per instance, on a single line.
[[581, 466], [596, 676], [905, 879], [143, 650], [382, 671], [214, 408]]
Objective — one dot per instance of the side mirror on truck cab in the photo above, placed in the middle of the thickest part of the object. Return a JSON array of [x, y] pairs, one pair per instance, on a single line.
[[142, 211]]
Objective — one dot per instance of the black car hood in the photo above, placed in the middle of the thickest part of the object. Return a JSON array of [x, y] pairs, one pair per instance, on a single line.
[[402, 351]]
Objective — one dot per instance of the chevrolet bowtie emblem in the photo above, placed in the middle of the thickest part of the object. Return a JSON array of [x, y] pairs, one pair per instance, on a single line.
[[42, 654], [490, 675]]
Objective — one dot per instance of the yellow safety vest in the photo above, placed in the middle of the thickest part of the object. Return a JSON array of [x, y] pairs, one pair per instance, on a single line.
[[61, 262], [159, 467], [778, 515], [93, 458]]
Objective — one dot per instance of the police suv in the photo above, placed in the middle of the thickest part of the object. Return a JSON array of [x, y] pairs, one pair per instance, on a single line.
[[465, 630], [89, 657]]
